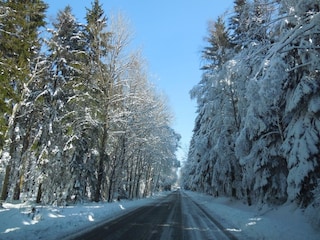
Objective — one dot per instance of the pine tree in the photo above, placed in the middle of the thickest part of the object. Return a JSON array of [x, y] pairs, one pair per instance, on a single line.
[[19, 47], [239, 22], [67, 58], [101, 82], [218, 119], [301, 116], [216, 54], [261, 133]]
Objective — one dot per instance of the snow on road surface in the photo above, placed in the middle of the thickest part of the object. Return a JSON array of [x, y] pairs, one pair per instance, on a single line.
[[27, 221]]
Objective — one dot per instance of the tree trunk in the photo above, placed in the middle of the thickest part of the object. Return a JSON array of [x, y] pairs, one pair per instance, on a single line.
[[16, 191], [103, 157], [39, 194], [138, 186], [112, 183], [248, 197], [97, 194], [23, 163], [156, 182], [148, 182], [4, 192]]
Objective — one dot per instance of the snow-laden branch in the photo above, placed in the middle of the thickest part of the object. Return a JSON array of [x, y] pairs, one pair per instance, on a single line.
[[299, 31]]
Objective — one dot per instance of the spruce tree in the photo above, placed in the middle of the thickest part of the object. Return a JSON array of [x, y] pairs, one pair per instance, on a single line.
[[101, 85], [19, 47], [19, 43], [239, 22], [67, 60], [217, 97], [300, 47]]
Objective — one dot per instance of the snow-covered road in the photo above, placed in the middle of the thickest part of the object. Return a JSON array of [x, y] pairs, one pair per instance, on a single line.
[[17, 221]]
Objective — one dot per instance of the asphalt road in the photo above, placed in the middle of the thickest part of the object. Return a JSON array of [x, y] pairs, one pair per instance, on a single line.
[[174, 217]]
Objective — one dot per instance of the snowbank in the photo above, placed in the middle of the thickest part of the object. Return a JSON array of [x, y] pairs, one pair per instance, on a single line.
[[25, 221], [284, 222]]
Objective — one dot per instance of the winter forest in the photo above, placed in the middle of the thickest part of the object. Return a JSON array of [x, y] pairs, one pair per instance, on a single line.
[[257, 132], [80, 120]]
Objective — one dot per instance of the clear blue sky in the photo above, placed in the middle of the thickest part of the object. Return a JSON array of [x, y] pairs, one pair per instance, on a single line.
[[170, 33]]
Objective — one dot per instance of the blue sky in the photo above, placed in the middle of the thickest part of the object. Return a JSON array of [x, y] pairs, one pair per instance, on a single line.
[[170, 34]]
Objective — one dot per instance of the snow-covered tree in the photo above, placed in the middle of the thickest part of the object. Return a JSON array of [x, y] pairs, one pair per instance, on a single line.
[[239, 22], [300, 50], [258, 109], [67, 58], [86, 123], [150, 142], [20, 67], [218, 120]]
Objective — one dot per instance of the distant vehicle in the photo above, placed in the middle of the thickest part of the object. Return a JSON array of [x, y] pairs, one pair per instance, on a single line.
[[176, 188]]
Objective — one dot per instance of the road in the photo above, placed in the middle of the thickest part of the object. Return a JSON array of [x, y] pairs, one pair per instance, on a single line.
[[173, 217]]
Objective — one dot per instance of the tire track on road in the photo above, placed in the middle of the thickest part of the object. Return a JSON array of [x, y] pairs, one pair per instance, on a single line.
[[227, 233]]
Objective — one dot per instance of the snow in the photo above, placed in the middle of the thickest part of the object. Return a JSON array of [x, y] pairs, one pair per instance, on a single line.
[[27, 221], [250, 222], [18, 221]]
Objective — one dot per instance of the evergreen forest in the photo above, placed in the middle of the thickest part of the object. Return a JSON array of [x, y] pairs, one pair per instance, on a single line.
[[257, 132]]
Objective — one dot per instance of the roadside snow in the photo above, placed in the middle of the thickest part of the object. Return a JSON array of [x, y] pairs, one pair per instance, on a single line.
[[284, 222], [27, 221]]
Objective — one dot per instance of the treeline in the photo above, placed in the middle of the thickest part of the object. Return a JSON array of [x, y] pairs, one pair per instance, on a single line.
[[257, 132], [80, 120]]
